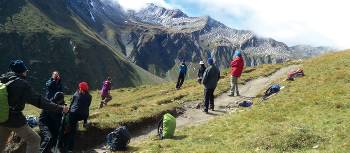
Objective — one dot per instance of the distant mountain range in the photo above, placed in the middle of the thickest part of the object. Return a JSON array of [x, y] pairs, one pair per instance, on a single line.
[[156, 38], [90, 39]]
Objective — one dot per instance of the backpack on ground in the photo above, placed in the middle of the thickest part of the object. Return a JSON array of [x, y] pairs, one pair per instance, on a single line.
[[118, 139], [166, 126], [4, 105], [245, 104], [32, 121], [275, 88], [294, 74]]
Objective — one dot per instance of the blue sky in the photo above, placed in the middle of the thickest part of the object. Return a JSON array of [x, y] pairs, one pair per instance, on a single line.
[[314, 22], [192, 9]]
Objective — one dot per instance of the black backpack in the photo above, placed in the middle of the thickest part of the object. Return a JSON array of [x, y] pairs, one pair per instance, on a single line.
[[118, 139]]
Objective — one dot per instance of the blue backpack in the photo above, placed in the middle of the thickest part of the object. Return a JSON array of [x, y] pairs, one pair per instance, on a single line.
[[275, 88], [183, 69], [245, 104], [32, 121]]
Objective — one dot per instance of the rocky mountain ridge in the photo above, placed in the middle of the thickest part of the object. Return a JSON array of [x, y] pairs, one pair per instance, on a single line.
[[156, 38]]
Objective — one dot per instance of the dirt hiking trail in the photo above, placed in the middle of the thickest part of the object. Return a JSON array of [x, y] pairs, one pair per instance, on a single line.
[[223, 105]]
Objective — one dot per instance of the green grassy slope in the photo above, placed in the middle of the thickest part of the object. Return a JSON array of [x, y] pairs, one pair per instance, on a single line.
[[309, 115], [48, 36], [144, 104]]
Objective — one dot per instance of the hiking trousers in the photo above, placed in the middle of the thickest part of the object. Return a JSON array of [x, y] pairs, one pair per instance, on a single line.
[[49, 137], [180, 81], [208, 99], [31, 138], [69, 140], [234, 85], [105, 99]]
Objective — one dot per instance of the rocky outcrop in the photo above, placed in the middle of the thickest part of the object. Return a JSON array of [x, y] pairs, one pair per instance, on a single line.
[[156, 38]]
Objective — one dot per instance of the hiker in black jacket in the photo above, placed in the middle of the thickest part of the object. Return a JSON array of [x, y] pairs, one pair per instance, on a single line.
[[201, 72], [210, 81], [49, 124], [79, 110], [53, 85], [20, 93]]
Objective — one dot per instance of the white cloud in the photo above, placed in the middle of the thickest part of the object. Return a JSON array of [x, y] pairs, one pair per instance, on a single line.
[[139, 4], [316, 22]]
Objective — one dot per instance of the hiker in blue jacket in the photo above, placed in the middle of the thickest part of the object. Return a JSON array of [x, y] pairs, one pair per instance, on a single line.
[[182, 75], [53, 85]]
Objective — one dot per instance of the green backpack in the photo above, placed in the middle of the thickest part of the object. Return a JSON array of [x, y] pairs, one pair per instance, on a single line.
[[4, 105], [166, 127]]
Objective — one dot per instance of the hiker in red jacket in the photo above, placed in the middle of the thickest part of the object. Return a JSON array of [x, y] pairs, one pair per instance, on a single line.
[[237, 65]]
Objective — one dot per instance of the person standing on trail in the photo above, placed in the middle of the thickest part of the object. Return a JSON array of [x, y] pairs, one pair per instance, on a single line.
[[53, 85], [237, 66], [79, 111], [19, 93], [49, 125], [105, 92], [182, 75], [210, 80], [201, 72]]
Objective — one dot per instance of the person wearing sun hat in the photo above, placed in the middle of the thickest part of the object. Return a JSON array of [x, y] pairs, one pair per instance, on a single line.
[[79, 111], [201, 72], [20, 93]]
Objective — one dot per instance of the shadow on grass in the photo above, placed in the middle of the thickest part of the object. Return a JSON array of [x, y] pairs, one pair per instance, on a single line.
[[179, 137], [221, 111], [210, 113], [128, 149], [94, 136], [115, 105]]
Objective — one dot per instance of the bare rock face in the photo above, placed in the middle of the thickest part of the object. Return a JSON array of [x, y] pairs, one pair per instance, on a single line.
[[66, 35], [156, 38]]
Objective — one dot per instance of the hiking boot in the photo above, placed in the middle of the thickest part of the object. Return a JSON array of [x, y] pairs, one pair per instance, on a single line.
[[205, 111], [212, 109], [231, 95]]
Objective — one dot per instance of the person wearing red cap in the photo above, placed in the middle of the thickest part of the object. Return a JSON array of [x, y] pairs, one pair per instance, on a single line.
[[79, 110]]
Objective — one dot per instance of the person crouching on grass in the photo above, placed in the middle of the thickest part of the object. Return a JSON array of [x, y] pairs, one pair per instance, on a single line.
[[79, 111]]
